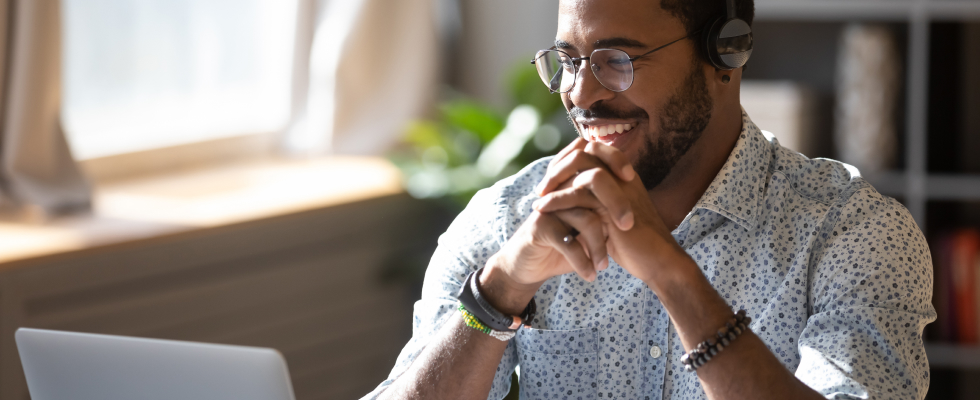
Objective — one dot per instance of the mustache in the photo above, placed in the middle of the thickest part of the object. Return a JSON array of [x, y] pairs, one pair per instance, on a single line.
[[600, 110]]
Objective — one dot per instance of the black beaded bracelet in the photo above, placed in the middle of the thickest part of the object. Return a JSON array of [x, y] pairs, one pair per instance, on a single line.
[[707, 349]]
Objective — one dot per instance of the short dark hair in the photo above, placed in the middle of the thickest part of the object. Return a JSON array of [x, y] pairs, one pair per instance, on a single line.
[[695, 14]]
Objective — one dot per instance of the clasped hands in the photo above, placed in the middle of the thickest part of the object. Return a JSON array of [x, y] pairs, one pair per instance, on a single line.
[[592, 188]]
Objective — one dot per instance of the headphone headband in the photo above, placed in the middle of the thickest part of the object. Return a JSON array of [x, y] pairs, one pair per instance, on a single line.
[[728, 40]]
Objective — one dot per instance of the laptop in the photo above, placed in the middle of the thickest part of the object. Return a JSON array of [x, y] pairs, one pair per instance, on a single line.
[[81, 366]]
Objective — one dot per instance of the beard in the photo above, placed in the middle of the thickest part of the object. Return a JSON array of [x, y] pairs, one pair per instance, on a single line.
[[682, 120]]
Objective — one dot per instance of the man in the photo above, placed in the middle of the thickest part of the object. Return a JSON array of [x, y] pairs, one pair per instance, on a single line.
[[701, 214]]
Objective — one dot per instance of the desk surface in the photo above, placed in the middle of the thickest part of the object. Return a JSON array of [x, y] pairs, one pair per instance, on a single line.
[[206, 198]]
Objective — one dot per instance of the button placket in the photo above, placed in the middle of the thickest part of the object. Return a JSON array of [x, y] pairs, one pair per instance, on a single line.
[[654, 369]]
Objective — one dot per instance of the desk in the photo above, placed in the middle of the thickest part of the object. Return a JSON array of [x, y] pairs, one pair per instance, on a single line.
[[283, 254]]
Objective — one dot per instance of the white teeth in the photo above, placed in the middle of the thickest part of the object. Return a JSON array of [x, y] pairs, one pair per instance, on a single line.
[[605, 130]]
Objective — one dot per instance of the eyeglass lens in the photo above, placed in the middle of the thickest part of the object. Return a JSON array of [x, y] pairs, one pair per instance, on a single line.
[[612, 68]]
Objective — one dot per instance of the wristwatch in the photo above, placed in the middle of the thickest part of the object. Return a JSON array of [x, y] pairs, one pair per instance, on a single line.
[[471, 298]]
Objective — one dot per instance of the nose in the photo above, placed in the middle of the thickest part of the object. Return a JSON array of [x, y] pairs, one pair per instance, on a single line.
[[587, 89]]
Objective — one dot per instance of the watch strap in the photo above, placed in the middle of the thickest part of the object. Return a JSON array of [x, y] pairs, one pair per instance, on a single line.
[[475, 303]]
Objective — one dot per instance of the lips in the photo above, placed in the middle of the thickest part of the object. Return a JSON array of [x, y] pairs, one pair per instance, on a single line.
[[605, 133]]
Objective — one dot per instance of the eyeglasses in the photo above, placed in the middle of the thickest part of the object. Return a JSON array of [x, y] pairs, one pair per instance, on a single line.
[[612, 68]]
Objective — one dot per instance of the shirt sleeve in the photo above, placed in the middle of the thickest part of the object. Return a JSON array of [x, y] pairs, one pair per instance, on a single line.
[[464, 247], [870, 296]]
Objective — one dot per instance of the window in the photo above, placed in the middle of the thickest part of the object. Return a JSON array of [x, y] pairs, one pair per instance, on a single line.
[[144, 74]]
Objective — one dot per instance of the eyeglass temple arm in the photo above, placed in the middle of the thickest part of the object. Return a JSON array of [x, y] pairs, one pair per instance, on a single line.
[[537, 57], [692, 34]]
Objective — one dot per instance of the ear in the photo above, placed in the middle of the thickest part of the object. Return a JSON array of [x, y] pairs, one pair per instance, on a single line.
[[725, 83], [726, 76]]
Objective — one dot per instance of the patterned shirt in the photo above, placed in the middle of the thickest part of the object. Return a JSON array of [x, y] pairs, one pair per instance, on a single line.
[[836, 277]]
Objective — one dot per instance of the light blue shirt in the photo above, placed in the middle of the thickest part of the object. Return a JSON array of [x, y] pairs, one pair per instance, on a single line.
[[836, 277]]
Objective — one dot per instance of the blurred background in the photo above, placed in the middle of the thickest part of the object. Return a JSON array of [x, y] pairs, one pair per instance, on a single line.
[[276, 172]]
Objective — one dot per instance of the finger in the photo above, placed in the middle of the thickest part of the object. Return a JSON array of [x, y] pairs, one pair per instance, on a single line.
[[591, 235], [573, 163], [606, 187], [613, 158], [577, 144], [568, 198], [594, 189], [552, 231]]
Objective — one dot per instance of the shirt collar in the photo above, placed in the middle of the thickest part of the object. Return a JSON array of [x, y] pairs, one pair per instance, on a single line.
[[738, 189]]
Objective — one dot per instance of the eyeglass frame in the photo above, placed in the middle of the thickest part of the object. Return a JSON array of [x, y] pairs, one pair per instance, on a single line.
[[577, 60]]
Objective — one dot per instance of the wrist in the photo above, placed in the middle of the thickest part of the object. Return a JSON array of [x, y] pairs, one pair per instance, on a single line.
[[694, 306], [502, 292], [673, 268]]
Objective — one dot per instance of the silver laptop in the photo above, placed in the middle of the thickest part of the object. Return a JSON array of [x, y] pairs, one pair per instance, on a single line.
[[81, 366]]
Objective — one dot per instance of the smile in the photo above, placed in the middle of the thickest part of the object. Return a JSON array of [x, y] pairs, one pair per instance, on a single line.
[[605, 133]]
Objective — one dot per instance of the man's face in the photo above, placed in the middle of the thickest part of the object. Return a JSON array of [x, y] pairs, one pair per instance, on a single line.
[[668, 105]]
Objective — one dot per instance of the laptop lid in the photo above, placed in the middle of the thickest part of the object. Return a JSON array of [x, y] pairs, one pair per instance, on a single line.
[[81, 366]]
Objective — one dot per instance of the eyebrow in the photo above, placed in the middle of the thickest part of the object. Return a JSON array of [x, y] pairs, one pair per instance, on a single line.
[[605, 43], [619, 42], [562, 45]]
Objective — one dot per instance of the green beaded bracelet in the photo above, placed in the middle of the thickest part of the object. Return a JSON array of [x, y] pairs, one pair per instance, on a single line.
[[472, 321]]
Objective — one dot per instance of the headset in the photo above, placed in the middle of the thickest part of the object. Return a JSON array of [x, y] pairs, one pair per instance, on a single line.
[[727, 41]]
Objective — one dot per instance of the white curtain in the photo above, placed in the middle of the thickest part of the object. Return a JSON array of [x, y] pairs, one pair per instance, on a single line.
[[37, 170], [373, 66]]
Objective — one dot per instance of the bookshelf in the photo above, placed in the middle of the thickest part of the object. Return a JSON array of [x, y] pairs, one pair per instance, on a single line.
[[865, 10], [914, 185], [915, 182]]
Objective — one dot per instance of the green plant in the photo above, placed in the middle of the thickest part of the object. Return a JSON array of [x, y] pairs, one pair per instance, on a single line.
[[469, 146]]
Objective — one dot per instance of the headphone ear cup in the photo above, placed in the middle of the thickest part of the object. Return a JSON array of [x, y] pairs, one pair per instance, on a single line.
[[728, 43], [710, 43]]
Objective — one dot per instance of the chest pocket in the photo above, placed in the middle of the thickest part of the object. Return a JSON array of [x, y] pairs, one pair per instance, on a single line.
[[557, 364]]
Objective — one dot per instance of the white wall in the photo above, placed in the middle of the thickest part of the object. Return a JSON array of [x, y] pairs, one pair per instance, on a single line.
[[496, 34]]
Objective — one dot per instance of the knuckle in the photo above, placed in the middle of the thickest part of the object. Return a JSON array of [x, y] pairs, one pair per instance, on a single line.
[[541, 222], [601, 173], [589, 175], [593, 148], [564, 185], [577, 156]]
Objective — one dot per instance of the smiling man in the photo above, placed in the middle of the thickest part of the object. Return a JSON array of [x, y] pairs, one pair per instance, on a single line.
[[674, 250]]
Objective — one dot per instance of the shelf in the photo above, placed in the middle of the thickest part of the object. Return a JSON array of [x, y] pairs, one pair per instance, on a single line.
[[962, 187], [946, 355], [881, 10], [953, 187], [888, 183]]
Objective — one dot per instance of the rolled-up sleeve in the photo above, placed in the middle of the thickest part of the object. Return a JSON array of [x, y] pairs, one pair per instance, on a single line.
[[870, 296], [465, 246]]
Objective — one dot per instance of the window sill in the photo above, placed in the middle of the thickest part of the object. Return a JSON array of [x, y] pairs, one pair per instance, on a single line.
[[202, 198]]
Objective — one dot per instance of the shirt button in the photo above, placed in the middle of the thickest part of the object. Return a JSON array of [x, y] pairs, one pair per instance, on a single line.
[[695, 219], [655, 352]]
